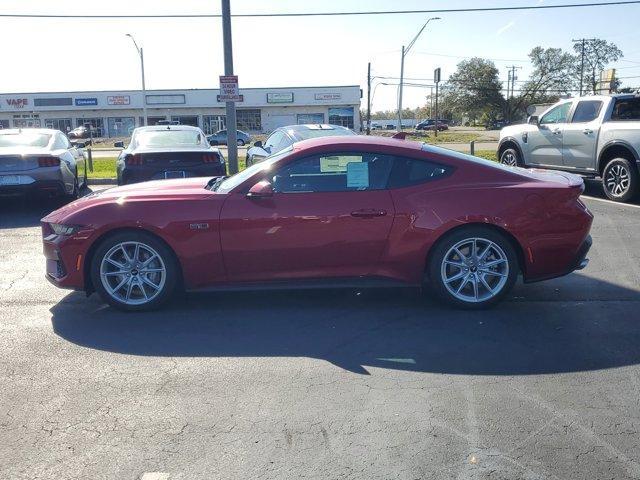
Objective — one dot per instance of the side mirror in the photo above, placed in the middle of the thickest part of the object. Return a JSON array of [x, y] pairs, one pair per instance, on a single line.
[[118, 144], [261, 189], [258, 144], [533, 120]]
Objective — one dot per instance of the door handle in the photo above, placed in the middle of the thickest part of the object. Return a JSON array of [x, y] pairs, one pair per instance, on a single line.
[[369, 213], [557, 131], [587, 131]]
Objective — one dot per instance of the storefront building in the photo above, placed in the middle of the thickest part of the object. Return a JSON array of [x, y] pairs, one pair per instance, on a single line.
[[117, 113]]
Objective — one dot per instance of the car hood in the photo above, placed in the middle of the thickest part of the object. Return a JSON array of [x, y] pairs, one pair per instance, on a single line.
[[154, 191], [515, 130]]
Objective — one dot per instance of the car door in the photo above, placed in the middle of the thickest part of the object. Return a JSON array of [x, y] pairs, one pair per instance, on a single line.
[[329, 216], [580, 136], [544, 143]]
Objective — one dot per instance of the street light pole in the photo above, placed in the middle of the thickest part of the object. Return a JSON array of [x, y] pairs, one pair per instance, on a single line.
[[232, 135], [405, 51], [144, 89]]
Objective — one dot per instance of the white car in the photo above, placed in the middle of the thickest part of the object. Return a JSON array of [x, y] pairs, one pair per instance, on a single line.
[[40, 160]]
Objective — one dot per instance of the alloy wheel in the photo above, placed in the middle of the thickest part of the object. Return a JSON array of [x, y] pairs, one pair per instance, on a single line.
[[617, 180], [509, 158], [133, 273], [475, 270]]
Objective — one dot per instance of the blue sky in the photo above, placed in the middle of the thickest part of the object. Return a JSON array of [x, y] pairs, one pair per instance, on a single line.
[[59, 55]]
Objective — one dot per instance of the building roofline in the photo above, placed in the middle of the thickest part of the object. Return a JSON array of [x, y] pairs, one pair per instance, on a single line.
[[173, 90]]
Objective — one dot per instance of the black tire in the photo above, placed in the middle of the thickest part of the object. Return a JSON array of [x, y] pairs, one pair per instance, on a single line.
[[249, 161], [75, 194], [168, 260], [620, 180], [240, 142], [511, 157], [484, 236]]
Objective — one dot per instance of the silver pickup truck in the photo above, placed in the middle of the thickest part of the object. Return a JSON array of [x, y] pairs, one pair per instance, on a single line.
[[596, 136]]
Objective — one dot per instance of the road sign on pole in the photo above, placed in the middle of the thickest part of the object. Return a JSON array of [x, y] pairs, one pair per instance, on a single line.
[[229, 91]]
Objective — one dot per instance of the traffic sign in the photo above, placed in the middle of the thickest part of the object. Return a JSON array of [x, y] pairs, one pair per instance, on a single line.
[[229, 91]]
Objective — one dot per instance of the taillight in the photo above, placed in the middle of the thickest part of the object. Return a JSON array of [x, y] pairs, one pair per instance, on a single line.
[[48, 161], [210, 158], [133, 159]]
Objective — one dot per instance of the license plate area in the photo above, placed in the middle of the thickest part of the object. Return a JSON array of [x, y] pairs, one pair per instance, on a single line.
[[174, 174], [10, 180]]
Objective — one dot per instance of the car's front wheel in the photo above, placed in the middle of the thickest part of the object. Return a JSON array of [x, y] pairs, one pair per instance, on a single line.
[[511, 157], [620, 180], [240, 142], [473, 268], [134, 271]]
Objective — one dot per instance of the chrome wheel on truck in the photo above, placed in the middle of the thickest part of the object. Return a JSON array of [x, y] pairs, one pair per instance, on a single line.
[[620, 180]]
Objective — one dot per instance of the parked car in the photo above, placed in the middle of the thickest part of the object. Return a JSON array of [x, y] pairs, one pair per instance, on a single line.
[[220, 138], [284, 137], [595, 136], [167, 151], [80, 132], [350, 211], [431, 125], [40, 160]]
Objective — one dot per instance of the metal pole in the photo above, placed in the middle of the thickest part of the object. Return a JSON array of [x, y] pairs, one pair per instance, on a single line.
[[431, 100], [436, 119], [232, 136], [369, 99], [508, 90], [400, 91], [144, 90], [582, 67]]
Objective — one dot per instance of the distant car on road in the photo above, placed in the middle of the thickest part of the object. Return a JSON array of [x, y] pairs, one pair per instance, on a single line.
[[220, 138], [80, 132], [595, 136], [284, 137], [431, 125], [167, 151], [40, 160]]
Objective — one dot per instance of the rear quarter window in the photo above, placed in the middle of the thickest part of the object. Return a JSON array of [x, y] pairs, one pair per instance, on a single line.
[[410, 171], [626, 109]]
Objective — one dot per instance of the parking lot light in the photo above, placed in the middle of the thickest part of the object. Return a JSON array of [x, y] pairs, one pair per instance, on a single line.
[[144, 90]]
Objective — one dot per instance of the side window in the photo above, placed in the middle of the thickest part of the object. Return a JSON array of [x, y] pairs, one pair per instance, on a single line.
[[410, 171], [586, 111], [274, 140], [626, 109], [340, 172], [61, 142], [557, 114]]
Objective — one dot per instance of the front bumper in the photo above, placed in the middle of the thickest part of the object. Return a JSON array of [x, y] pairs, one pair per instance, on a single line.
[[65, 260]]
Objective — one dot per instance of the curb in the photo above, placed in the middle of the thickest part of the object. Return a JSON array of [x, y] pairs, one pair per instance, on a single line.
[[101, 181]]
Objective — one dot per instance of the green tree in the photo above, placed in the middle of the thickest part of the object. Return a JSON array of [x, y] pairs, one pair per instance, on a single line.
[[475, 89], [598, 54]]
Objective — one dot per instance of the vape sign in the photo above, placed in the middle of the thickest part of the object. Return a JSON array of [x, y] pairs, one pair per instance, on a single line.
[[118, 100], [17, 102]]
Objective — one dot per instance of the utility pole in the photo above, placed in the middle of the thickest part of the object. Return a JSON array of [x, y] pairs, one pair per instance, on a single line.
[[511, 82], [508, 90], [232, 135], [582, 41], [144, 89], [369, 98], [436, 80]]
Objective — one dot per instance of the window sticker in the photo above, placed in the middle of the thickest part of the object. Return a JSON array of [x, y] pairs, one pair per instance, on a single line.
[[358, 175], [337, 163]]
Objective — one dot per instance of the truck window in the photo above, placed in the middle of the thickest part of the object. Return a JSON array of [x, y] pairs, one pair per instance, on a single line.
[[626, 109], [557, 114], [586, 111]]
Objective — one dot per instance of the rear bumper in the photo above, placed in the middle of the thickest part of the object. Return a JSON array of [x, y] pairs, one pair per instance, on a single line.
[[578, 262], [135, 174], [44, 187]]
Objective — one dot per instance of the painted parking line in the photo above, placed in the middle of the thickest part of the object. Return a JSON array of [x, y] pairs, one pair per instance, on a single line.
[[155, 476], [610, 201]]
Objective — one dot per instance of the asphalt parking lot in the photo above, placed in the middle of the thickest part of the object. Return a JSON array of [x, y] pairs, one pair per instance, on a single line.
[[327, 385]]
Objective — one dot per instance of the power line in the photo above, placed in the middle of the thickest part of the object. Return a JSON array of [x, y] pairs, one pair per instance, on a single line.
[[329, 14]]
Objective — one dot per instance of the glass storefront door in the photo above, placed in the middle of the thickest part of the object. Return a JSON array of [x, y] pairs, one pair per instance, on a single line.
[[186, 120], [97, 125], [62, 124], [121, 126], [213, 123]]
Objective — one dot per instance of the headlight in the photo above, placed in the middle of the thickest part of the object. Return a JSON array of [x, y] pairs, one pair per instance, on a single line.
[[65, 230]]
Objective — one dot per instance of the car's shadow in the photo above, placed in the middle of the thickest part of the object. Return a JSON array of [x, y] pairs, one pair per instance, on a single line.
[[26, 211], [387, 329]]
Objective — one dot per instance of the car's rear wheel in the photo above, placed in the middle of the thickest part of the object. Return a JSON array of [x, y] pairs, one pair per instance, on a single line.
[[511, 157], [240, 142], [134, 271], [473, 268], [620, 180]]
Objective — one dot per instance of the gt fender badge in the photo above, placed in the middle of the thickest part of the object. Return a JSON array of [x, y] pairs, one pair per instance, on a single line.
[[198, 226]]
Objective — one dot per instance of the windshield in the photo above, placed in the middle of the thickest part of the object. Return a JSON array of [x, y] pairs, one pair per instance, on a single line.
[[24, 139], [315, 133], [232, 182], [168, 138]]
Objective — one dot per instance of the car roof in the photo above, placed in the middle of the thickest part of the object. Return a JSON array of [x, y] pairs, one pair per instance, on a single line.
[[48, 131], [357, 141], [155, 128], [312, 126]]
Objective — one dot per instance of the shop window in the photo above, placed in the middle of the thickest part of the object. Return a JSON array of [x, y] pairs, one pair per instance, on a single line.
[[341, 116], [249, 119], [121, 126], [308, 118]]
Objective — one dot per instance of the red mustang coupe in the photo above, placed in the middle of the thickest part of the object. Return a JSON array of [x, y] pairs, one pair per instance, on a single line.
[[340, 211]]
